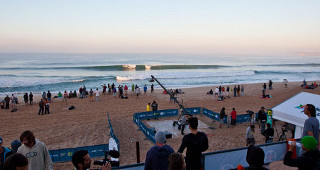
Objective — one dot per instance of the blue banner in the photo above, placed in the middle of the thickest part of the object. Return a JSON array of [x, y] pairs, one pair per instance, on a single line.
[[229, 159], [64, 155], [214, 115], [243, 118], [112, 133]]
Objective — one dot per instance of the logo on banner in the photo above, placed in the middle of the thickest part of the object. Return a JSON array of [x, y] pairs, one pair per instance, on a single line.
[[227, 166], [271, 156], [301, 107]]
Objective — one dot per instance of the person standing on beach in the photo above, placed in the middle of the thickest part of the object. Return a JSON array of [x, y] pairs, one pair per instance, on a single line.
[[196, 142], [183, 123], [91, 95], [81, 92], [235, 91], [249, 135], [25, 97], [242, 90], [47, 104], [13, 101], [233, 117], [216, 91], [137, 89], [221, 116], [148, 107], [311, 125], [270, 84], [152, 88], [264, 86], [7, 100], [65, 95], [154, 106], [84, 91], [44, 95], [262, 118], [238, 90], [36, 152], [132, 88], [97, 95], [41, 107], [228, 90], [31, 98], [104, 89], [145, 89], [125, 90], [49, 96]]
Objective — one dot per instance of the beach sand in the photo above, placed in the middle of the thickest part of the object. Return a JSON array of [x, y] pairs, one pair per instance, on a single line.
[[87, 124]]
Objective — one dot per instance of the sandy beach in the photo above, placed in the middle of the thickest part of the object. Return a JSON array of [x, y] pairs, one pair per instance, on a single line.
[[87, 123]]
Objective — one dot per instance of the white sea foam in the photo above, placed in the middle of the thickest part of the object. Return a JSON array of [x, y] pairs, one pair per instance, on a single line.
[[129, 66], [76, 81], [148, 67]]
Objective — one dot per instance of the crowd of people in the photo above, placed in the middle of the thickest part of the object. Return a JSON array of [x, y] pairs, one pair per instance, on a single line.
[[223, 93], [94, 95]]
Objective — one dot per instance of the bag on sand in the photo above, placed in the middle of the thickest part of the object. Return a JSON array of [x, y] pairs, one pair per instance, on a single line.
[[71, 107], [14, 110]]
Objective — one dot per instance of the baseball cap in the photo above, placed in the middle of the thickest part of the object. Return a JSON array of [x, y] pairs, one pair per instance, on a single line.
[[1, 139], [160, 137], [309, 142]]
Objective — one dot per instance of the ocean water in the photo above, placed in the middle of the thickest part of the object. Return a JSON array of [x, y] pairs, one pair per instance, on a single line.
[[20, 73]]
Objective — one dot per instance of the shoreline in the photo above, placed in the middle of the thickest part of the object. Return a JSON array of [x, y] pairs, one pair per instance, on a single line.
[[86, 124], [3, 94], [54, 93]]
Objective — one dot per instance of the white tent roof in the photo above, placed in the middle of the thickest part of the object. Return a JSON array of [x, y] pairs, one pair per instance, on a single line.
[[291, 110]]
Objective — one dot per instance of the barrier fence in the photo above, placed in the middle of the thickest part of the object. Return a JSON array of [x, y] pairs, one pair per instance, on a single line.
[[112, 134], [214, 115], [229, 159], [150, 134], [64, 155], [137, 117]]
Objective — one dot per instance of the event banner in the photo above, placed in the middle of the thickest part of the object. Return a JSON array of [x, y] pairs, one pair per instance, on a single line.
[[229, 159]]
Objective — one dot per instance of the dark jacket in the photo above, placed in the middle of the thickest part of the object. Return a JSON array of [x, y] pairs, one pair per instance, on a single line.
[[268, 133], [262, 116], [157, 158], [222, 114], [195, 144], [305, 161], [6, 153]]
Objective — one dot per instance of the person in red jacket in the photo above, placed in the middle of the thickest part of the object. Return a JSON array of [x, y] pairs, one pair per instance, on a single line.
[[233, 117]]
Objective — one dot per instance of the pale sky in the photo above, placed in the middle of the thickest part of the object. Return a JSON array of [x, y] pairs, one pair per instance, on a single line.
[[250, 27]]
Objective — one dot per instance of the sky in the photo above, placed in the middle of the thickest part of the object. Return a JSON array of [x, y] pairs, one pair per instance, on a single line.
[[246, 27]]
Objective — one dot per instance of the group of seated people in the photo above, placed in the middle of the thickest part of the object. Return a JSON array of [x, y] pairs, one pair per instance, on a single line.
[[311, 86]]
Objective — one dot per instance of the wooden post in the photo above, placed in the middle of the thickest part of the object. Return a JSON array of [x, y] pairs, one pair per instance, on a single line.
[[138, 151]]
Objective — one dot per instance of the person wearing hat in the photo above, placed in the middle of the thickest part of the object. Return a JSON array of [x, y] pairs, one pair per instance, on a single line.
[[307, 160], [4, 152], [263, 119], [158, 155]]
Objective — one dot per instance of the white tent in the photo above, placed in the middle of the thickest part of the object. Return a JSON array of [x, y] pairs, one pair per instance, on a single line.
[[291, 110]]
